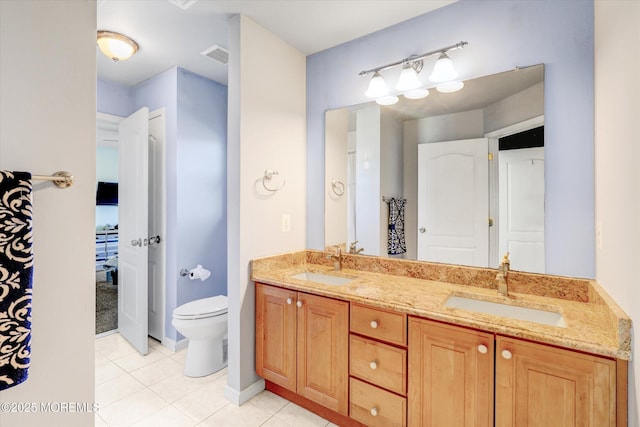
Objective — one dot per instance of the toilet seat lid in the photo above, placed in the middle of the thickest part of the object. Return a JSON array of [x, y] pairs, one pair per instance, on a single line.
[[205, 307]]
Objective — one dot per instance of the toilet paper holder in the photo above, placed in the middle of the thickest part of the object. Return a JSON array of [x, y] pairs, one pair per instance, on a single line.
[[196, 273]]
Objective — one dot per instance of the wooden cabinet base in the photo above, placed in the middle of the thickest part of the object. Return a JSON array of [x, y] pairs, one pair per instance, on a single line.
[[316, 408]]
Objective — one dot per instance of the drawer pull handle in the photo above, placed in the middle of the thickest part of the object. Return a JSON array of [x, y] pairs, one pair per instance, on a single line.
[[373, 365], [374, 412], [506, 354], [483, 349], [299, 303], [289, 301], [373, 324]]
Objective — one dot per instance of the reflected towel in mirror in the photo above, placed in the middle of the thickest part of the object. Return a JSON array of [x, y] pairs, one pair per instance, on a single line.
[[396, 244]]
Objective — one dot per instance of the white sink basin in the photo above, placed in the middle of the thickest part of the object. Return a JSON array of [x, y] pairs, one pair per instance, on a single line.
[[544, 317], [325, 279]]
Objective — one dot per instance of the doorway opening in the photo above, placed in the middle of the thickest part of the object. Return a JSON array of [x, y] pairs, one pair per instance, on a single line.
[[109, 218]]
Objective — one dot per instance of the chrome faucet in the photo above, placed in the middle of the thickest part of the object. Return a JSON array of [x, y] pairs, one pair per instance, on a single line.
[[352, 248], [336, 257], [503, 275]]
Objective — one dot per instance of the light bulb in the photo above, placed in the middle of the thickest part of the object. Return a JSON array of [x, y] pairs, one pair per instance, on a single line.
[[416, 94], [377, 87], [450, 87], [387, 100], [443, 70]]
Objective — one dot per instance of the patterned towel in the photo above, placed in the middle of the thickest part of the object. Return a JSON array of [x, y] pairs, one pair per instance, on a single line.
[[396, 244], [16, 268]]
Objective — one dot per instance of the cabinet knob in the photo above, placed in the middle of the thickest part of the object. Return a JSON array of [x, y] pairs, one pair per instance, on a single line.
[[299, 303], [373, 365], [506, 354], [482, 349], [289, 301], [374, 412], [373, 324]]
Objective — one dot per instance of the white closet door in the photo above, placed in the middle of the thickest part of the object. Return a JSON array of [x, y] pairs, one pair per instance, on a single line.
[[522, 208]]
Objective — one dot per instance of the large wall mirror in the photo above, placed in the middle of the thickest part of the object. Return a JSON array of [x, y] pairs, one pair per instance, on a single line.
[[457, 177]]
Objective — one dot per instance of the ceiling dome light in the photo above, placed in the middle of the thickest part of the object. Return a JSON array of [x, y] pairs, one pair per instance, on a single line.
[[416, 94], [116, 46], [450, 87], [408, 78], [387, 100], [377, 87], [443, 70]]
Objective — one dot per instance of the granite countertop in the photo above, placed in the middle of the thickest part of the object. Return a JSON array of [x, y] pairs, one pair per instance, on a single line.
[[594, 322]]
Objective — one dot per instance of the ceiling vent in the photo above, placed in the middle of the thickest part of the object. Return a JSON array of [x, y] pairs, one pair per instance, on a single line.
[[218, 53], [183, 4]]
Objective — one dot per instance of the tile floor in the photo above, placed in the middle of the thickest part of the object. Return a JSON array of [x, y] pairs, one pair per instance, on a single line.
[[140, 391]]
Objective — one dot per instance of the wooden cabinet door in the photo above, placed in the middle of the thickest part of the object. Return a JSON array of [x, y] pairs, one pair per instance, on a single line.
[[543, 386], [276, 335], [450, 376], [323, 356]]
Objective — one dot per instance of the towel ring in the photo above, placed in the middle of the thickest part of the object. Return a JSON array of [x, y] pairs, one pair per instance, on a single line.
[[337, 187], [268, 174]]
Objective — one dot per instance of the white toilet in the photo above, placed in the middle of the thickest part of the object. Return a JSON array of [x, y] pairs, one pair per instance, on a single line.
[[204, 323]]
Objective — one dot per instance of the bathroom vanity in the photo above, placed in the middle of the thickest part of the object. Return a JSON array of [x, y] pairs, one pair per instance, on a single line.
[[380, 343]]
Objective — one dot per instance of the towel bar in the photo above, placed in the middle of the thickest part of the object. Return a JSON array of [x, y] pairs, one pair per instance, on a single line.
[[61, 179]]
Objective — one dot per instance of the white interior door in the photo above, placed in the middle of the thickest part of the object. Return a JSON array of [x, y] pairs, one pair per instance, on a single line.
[[453, 202], [521, 197], [133, 178], [157, 232]]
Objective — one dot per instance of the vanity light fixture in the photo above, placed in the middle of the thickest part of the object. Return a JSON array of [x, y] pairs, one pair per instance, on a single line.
[[409, 76], [116, 46], [443, 71], [409, 83], [377, 87]]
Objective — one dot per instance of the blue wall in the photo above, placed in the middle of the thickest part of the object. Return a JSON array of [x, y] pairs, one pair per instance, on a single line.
[[196, 171], [114, 98], [502, 35], [202, 184]]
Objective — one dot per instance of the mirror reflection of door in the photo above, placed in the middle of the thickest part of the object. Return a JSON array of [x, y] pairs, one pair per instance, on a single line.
[[453, 202]]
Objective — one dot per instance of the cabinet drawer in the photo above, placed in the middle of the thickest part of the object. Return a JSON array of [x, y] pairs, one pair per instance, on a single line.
[[380, 324], [376, 407], [380, 364]]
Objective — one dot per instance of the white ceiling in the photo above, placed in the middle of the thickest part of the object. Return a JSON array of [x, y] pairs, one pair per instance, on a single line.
[[170, 36]]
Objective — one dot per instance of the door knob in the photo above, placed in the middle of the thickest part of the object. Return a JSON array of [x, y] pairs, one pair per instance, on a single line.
[[373, 365], [422, 229], [507, 354], [374, 412], [482, 349], [136, 242], [299, 304], [373, 324], [289, 301], [154, 240]]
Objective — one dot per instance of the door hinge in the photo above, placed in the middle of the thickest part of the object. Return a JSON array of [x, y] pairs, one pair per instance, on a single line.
[[490, 222], [490, 155]]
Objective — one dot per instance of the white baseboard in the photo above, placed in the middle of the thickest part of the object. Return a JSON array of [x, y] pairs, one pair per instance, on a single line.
[[175, 345], [239, 397]]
